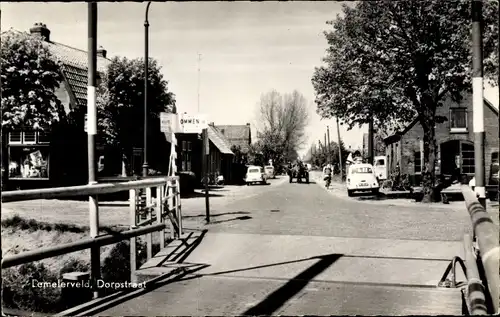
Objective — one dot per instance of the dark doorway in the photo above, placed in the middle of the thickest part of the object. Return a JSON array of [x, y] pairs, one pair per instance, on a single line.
[[457, 158]]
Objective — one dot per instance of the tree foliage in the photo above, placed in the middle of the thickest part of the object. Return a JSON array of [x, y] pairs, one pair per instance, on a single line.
[[282, 122], [121, 101], [395, 61], [30, 76]]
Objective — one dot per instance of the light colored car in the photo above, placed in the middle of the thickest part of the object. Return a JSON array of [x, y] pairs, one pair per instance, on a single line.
[[362, 178], [255, 174], [269, 170]]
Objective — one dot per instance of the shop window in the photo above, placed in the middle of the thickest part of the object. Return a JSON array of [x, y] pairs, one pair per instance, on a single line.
[[418, 162], [468, 166], [29, 162], [29, 137], [458, 120], [15, 137], [43, 137]]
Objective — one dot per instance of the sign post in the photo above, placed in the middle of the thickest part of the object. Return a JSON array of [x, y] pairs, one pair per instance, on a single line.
[[205, 156], [169, 125]]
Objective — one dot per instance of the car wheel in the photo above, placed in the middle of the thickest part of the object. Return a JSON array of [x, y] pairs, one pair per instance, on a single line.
[[248, 184], [349, 193]]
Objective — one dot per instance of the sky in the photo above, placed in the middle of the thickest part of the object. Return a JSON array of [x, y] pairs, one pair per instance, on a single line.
[[247, 49]]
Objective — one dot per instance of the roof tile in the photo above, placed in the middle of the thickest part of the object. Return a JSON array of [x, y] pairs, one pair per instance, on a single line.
[[237, 135], [219, 140]]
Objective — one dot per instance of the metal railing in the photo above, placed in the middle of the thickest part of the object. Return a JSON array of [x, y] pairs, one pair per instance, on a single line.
[[155, 211], [482, 256]]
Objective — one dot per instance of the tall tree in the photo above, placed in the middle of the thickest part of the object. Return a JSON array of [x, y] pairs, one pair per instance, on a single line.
[[121, 103], [282, 122], [399, 60], [30, 76]]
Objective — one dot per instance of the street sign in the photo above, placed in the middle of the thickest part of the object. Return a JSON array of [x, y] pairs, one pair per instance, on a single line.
[[192, 123], [169, 122]]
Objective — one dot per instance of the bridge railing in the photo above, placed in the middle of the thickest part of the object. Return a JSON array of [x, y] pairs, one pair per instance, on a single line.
[[146, 216], [481, 258]]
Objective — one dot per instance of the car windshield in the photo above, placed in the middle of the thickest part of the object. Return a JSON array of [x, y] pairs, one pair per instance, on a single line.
[[380, 162], [361, 170], [269, 167], [254, 170]]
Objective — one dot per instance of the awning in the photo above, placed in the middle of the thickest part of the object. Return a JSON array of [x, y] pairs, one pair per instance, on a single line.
[[219, 140]]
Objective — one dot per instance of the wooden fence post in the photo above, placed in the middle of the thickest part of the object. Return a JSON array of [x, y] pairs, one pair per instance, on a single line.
[[149, 236], [159, 214], [178, 205], [133, 225]]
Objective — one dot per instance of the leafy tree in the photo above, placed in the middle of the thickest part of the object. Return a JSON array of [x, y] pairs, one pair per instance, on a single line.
[[282, 121], [399, 60], [30, 76], [121, 104]]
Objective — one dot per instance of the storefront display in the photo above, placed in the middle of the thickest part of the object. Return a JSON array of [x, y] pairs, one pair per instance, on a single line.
[[29, 162]]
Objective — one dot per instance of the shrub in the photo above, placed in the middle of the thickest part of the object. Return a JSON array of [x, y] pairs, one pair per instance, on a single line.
[[19, 293], [32, 225]]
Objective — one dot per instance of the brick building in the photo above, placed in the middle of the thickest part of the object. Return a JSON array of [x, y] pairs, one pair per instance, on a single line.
[[190, 147], [33, 155], [237, 135], [454, 139]]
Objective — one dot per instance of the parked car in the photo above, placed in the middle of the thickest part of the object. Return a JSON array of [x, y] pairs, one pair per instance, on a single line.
[[255, 174], [361, 178], [269, 171]]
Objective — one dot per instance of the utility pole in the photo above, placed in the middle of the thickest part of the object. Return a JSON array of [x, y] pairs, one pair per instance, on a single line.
[[95, 253], [340, 152], [145, 165], [370, 141], [205, 153], [199, 79], [329, 145], [477, 100]]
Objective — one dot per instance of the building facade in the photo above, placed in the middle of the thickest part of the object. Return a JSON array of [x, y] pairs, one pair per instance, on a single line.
[[40, 159], [454, 139]]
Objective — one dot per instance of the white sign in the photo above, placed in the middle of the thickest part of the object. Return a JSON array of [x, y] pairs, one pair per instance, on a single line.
[[193, 123], [169, 122]]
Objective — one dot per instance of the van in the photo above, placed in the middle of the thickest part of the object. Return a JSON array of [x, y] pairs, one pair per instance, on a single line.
[[380, 166]]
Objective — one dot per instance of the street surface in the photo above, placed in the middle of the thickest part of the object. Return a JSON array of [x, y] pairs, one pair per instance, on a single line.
[[295, 249]]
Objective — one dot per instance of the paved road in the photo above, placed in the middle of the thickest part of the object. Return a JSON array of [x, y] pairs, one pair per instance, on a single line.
[[295, 249]]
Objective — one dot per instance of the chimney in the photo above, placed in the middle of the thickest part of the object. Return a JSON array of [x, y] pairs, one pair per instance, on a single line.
[[101, 52], [41, 29], [211, 124]]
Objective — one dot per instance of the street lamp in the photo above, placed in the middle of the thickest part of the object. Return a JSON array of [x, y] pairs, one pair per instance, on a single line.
[[145, 165]]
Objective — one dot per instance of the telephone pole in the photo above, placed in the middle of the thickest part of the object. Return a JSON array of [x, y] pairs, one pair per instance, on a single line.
[[477, 99], [329, 144], [199, 79], [340, 152], [370, 141], [91, 133]]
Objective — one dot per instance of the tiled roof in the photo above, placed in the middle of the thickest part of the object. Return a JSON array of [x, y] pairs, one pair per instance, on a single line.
[[219, 140], [238, 135], [74, 67]]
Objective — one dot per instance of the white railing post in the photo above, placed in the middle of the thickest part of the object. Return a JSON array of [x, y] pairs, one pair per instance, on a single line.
[[133, 225], [95, 252], [178, 205], [149, 236], [159, 214]]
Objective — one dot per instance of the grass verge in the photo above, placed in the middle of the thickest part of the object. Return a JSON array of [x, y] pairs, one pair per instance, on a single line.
[[19, 235]]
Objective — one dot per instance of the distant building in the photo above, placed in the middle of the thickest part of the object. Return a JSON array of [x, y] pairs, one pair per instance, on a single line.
[[237, 135], [455, 141]]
